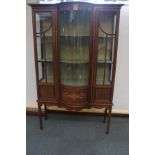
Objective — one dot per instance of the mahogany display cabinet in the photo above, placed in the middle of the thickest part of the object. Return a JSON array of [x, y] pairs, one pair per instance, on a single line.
[[75, 49]]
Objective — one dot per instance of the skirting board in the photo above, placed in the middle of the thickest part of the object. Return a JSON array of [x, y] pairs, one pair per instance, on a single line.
[[33, 109]]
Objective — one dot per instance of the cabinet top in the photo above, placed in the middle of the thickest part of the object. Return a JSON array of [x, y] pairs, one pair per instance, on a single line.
[[84, 2]]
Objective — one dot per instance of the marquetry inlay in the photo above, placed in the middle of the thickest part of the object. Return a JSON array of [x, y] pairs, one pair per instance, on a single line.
[[73, 96]]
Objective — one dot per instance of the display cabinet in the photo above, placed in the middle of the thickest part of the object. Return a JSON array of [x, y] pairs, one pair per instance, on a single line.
[[75, 48]]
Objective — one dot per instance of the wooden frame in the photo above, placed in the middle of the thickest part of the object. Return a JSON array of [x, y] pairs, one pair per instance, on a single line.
[[75, 97]]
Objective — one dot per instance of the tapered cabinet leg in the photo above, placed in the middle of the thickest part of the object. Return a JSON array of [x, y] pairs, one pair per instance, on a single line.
[[109, 120], [45, 107], [40, 116], [105, 115]]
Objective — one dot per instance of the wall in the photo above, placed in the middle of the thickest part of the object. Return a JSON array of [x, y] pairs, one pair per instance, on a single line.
[[121, 91], [30, 68]]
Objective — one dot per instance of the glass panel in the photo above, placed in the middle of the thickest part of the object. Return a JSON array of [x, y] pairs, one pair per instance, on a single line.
[[43, 22], [48, 47], [74, 50], [44, 44], [41, 69], [74, 74], [103, 74], [39, 48], [49, 68], [105, 47], [43, 72], [106, 40], [107, 23], [75, 23]]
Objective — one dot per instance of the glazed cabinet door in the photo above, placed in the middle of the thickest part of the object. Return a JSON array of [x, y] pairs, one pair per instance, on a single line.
[[44, 35], [75, 41], [105, 54]]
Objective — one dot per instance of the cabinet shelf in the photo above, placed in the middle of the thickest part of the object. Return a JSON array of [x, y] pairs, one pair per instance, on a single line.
[[72, 36], [47, 60], [63, 36], [49, 79], [74, 82], [70, 61], [108, 37], [46, 36], [106, 62], [100, 82], [84, 40]]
